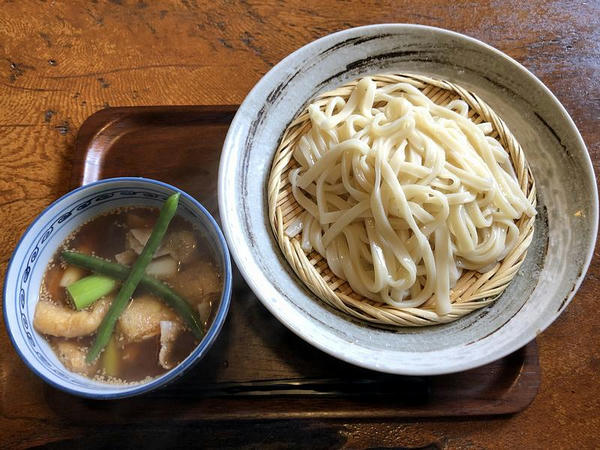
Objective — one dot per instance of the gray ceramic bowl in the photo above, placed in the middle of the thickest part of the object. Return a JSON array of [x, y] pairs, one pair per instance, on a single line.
[[566, 224]]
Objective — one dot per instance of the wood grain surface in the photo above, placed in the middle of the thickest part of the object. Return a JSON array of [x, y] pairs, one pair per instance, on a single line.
[[62, 60]]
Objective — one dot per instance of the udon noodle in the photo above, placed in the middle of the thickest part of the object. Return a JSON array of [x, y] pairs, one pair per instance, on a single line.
[[401, 194]]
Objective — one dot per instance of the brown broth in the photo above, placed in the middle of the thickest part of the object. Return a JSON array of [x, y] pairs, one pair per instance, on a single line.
[[105, 236]]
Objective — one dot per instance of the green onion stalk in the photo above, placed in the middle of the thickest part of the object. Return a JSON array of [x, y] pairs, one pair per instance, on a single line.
[[106, 328]]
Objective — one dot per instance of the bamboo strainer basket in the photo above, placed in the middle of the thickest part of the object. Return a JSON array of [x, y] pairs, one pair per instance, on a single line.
[[473, 290]]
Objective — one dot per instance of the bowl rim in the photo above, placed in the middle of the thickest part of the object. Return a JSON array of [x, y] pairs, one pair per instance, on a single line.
[[198, 352], [229, 149]]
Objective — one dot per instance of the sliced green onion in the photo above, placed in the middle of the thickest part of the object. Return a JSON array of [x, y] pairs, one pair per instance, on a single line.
[[87, 290], [111, 358]]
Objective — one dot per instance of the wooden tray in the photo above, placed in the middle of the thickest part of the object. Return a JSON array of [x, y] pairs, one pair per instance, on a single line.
[[258, 369]]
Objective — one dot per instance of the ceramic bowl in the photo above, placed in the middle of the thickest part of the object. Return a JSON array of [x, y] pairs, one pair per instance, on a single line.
[[565, 228], [39, 243]]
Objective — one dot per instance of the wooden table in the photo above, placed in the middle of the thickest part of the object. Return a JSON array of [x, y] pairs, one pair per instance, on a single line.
[[61, 61]]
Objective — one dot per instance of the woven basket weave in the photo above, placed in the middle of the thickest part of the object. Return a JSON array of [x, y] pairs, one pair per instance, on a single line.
[[472, 291]]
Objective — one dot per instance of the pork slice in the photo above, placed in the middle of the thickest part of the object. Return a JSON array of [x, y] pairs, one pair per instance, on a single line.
[[72, 355], [169, 331], [198, 283], [141, 319]]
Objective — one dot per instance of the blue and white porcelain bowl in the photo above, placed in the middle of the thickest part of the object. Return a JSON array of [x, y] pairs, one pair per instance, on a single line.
[[41, 240]]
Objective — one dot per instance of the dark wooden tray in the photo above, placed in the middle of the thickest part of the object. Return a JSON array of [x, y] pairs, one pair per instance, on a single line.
[[257, 368]]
